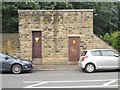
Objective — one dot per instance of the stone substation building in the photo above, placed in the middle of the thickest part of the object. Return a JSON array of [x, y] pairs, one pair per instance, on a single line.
[[57, 36]]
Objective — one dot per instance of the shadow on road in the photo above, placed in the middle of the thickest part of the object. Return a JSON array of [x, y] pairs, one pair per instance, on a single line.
[[7, 72], [105, 71], [81, 71]]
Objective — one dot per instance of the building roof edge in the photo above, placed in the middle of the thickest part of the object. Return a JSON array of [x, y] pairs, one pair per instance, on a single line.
[[64, 10]]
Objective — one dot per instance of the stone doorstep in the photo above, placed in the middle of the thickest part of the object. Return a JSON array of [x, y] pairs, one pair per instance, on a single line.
[[56, 67]]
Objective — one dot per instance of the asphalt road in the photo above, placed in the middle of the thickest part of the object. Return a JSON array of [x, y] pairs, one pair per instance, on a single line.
[[58, 79]]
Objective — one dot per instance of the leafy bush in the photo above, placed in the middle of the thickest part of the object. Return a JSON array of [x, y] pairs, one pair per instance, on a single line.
[[113, 39]]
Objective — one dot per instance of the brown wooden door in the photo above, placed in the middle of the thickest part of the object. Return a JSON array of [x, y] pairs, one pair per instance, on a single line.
[[74, 48], [37, 48]]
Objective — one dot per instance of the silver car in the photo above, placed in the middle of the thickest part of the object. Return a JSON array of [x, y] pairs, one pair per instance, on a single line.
[[92, 60]]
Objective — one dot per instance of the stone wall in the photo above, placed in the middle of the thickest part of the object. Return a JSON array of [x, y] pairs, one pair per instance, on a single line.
[[10, 43], [55, 26]]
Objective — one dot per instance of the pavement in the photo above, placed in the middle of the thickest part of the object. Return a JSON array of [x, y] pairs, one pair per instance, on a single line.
[[56, 67]]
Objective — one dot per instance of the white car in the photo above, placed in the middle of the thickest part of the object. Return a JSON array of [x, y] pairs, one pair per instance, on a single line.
[[92, 60]]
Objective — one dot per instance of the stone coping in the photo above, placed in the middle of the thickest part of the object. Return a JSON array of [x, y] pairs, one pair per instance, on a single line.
[[64, 10], [72, 35]]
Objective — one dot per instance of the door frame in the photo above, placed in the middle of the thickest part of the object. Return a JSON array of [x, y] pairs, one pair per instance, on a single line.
[[33, 43], [70, 36]]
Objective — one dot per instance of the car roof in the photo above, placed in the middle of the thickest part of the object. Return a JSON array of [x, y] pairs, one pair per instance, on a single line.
[[97, 49]]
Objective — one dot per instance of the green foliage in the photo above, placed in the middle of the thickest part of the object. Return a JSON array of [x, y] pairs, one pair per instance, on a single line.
[[113, 39], [107, 38], [9, 18]]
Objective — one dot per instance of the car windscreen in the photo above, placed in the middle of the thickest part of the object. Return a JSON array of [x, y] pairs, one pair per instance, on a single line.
[[84, 53], [7, 55]]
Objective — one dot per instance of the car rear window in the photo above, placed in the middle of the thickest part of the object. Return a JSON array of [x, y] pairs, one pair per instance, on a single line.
[[95, 53], [84, 53]]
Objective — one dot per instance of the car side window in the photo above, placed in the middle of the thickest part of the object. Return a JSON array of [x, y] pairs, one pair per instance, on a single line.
[[3, 56], [108, 53], [95, 53]]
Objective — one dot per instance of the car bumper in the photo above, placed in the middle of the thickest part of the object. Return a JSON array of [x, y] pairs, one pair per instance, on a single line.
[[28, 67], [81, 64]]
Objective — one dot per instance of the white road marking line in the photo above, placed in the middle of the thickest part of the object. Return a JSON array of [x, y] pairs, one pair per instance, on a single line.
[[112, 86], [70, 87], [97, 86], [110, 82], [30, 86], [69, 81]]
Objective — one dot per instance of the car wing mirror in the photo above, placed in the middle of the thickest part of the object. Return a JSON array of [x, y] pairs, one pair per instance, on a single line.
[[116, 55]]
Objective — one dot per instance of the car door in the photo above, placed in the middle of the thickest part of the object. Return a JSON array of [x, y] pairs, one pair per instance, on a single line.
[[109, 60], [118, 62], [96, 56], [6, 63]]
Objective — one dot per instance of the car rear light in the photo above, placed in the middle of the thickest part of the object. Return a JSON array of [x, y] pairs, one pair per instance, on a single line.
[[83, 58]]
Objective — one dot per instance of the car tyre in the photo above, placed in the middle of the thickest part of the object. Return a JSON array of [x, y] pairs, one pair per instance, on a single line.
[[90, 68], [16, 69]]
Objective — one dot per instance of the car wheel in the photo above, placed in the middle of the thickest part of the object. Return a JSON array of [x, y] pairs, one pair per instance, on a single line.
[[90, 68], [16, 69]]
